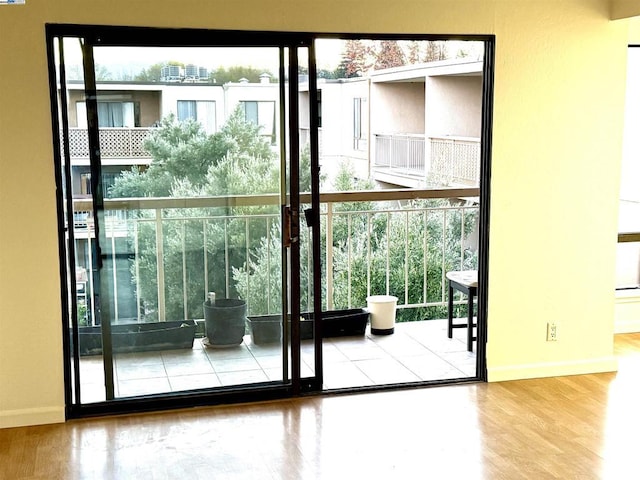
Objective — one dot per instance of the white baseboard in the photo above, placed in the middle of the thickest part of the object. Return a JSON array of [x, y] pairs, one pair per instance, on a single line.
[[627, 313], [31, 416], [552, 369]]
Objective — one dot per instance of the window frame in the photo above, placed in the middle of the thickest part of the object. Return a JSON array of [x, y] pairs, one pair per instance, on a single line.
[[360, 123]]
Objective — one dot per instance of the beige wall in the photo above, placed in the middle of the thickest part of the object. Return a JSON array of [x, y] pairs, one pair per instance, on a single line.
[[149, 107], [337, 105], [634, 31], [454, 106], [331, 153], [624, 8], [557, 136], [397, 107]]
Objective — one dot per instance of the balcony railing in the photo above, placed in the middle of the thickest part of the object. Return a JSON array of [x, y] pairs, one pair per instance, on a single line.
[[412, 237], [128, 142], [403, 153], [455, 161], [446, 161], [114, 142]]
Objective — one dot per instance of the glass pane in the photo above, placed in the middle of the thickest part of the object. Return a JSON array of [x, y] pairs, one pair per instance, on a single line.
[[401, 115], [186, 110], [77, 189], [191, 277]]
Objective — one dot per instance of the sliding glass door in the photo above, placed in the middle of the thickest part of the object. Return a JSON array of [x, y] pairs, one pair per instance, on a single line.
[[233, 205], [181, 182]]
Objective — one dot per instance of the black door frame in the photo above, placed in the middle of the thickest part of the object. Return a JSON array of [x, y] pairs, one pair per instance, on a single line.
[[96, 35]]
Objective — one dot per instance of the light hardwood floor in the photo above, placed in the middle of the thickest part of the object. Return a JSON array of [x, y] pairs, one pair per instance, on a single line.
[[582, 427]]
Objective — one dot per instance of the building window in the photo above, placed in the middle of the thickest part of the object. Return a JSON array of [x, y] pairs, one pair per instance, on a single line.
[[111, 114], [262, 114], [85, 184], [187, 110], [360, 124], [202, 111], [108, 180], [115, 114]]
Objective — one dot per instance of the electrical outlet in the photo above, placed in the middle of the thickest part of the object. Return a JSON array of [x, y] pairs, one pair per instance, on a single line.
[[552, 332]]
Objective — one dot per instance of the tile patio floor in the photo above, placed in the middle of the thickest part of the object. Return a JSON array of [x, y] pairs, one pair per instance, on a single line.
[[417, 351]]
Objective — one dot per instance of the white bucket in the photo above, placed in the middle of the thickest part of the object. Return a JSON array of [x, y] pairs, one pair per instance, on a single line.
[[382, 311]]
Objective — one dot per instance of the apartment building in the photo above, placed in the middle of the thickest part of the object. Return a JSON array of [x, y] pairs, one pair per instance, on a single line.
[[365, 121], [129, 111]]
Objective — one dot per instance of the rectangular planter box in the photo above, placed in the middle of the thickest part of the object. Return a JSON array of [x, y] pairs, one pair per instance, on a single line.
[[139, 337], [265, 329], [336, 323]]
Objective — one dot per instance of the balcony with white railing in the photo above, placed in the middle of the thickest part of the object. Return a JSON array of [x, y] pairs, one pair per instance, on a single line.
[[175, 250], [162, 255], [455, 161], [410, 160], [126, 145], [400, 159]]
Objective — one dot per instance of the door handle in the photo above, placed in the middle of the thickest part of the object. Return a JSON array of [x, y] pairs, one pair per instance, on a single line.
[[291, 220]]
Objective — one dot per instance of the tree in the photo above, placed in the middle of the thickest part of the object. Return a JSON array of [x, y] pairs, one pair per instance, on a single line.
[[259, 279], [409, 243], [359, 56], [187, 162], [389, 55], [76, 73], [236, 73], [183, 152], [436, 51], [150, 74], [328, 74], [103, 73], [356, 59], [179, 151], [414, 52], [153, 73], [367, 239]]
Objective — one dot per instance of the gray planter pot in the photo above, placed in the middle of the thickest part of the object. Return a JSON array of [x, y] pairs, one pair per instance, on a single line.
[[225, 321]]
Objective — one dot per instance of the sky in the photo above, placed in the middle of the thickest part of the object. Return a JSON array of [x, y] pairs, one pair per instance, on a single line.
[[133, 59], [127, 62]]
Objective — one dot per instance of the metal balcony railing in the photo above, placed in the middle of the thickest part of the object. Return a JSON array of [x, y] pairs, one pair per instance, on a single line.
[[403, 153], [399, 241]]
